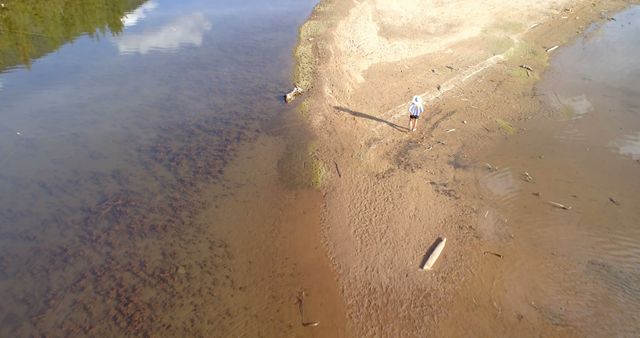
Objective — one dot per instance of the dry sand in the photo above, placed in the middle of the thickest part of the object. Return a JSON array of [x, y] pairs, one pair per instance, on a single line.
[[397, 191]]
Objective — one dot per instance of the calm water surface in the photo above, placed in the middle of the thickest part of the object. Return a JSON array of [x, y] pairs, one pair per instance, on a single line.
[[115, 118], [578, 269]]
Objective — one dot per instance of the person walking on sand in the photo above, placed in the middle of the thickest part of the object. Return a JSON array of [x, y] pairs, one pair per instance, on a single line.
[[415, 109]]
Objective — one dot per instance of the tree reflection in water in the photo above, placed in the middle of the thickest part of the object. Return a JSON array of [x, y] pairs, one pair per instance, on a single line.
[[32, 29]]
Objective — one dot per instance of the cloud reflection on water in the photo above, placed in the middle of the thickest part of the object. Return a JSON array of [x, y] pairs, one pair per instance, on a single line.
[[579, 105], [140, 13], [185, 30], [629, 145]]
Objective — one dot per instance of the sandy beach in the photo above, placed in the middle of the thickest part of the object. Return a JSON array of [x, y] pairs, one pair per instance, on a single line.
[[390, 192], [155, 183]]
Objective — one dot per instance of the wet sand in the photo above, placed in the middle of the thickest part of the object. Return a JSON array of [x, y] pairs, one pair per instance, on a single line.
[[575, 268], [398, 191], [272, 236]]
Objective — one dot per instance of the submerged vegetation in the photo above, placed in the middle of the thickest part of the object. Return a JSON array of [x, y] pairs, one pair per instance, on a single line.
[[499, 44], [500, 38], [304, 52], [529, 53], [301, 168], [319, 173], [506, 126], [568, 111], [32, 29]]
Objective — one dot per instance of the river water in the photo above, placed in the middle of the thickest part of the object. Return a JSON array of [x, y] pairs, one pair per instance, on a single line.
[[140, 191], [563, 207]]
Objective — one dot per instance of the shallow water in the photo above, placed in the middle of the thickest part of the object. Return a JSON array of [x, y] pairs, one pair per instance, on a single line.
[[577, 269], [139, 146]]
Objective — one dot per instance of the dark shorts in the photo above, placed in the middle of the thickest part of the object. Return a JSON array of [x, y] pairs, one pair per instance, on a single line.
[[414, 117]]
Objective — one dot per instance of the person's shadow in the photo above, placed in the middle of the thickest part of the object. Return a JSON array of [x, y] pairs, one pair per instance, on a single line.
[[370, 117]]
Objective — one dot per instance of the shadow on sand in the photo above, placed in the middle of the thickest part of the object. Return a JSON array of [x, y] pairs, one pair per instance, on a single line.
[[370, 117]]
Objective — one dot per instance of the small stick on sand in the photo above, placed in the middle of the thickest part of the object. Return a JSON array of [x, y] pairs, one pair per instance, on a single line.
[[301, 308], [614, 201], [337, 169], [558, 205], [549, 50], [526, 177], [490, 167], [528, 69], [493, 253]]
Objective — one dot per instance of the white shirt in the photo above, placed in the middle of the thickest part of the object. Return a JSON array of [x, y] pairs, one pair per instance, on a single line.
[[415, 110]]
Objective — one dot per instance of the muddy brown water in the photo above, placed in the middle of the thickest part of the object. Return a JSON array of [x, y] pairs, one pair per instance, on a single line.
[[573, 271], [140, 192]]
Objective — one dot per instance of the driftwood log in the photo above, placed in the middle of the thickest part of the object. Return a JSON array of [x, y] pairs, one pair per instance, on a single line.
[[290, 96], [433, 253]]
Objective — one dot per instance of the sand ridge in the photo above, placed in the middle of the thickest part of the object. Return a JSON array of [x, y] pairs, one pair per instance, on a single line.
[[384, 31], [399, 191]]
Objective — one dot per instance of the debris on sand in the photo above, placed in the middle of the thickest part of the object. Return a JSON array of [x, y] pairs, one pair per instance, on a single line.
[[527, 177], [492, 253], [301, 296], [614, 201], [434, 253], [506, 126], [290, 96], [527, 68], [559, 205], [549, 50], [490, 167]]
